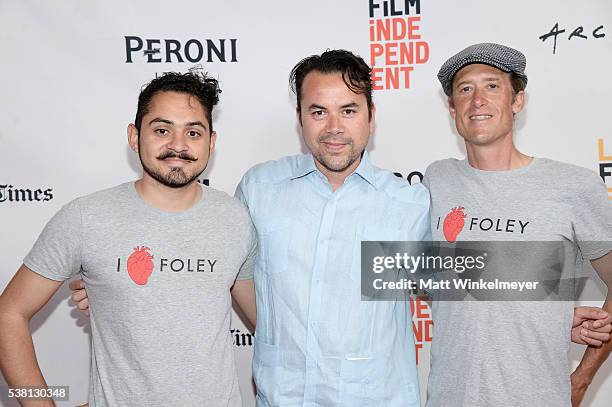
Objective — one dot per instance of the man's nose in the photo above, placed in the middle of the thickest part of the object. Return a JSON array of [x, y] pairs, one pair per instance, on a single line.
[[177, 143], [333, 124], [479, 98]]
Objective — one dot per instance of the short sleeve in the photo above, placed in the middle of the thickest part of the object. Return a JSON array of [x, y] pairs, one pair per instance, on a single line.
[[425, 180], [57, 252], [248, 267], [592, 224], [240, 193], [424, 221]]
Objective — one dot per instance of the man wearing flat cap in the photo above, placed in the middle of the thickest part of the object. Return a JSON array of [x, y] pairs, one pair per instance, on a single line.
[[519, 356]]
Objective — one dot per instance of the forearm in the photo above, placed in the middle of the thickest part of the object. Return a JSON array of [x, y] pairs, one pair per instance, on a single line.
[[18, 358], [250, 312], [593, 357], [243, 294]]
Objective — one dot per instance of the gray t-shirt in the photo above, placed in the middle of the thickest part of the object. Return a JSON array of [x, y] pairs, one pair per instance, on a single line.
[[510, 353], [158, 285]]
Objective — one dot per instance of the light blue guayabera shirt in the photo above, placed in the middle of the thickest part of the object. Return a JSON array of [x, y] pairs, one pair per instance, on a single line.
[[317, 343]]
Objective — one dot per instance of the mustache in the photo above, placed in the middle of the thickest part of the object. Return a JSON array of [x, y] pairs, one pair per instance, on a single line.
[[331, 138], [181, 155]]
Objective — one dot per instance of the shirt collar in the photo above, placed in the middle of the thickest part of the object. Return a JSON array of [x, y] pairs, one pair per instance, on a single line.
[[305, 166], [365, 169]]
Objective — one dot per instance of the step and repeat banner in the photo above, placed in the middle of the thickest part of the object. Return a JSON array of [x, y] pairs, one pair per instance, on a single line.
[[72, 70]]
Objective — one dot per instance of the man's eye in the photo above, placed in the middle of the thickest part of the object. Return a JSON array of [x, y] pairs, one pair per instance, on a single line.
[[349, 111], [193, 134], [466, 89], [493, 85], [161, 132], [317, 113]]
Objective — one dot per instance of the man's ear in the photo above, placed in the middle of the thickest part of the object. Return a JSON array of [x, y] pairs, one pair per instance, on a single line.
[[372, 118], [132, 134], [451, 107], [213, 141], [519, 102], [298, 116]]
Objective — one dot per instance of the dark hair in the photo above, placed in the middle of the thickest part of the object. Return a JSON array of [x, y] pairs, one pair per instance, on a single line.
[[195, 82], [518, 83], [355, 73]]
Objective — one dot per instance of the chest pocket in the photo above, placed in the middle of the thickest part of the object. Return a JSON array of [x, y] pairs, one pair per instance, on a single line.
[[274, 241]]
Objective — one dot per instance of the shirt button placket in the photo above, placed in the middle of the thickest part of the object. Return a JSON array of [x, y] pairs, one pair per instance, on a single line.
[[316, 295]]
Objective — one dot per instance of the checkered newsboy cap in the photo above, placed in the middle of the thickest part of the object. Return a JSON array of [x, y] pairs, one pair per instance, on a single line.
[[498, 56]]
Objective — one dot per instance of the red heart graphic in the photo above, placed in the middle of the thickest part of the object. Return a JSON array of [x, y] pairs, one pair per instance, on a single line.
[[453, 223], [140, 265]]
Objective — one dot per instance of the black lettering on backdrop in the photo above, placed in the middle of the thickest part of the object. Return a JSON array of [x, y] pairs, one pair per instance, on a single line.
[[554, 32], [188, 50], [173, 50], [242, 338], [410, 177], [11, 194], [150, 51], [220, 53], [395, 8], [578, 32], [605, 170]]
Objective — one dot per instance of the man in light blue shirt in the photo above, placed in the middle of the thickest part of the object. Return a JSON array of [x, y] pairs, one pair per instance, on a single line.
[[317, 343]]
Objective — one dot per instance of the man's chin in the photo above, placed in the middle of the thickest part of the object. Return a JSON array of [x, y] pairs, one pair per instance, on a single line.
[[480, 139], [337, 165], [181, 180], [177, 184], [174, 179]]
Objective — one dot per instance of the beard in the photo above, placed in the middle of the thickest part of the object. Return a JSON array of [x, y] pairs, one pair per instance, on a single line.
[[176, 177], [337, 162]]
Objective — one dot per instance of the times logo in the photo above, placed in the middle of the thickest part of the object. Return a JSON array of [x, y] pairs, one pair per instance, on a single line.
[[155, 50], [8, 193], [242, 339]]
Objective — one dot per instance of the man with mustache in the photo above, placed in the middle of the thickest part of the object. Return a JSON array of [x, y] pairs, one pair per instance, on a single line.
[[316, 342], [519, 355], [158, 256]]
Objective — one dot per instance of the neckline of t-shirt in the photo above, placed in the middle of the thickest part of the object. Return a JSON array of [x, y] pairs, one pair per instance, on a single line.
[[131, 186], [535, 161]]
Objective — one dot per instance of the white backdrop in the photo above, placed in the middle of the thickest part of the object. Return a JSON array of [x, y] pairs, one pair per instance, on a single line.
[[68, 95]]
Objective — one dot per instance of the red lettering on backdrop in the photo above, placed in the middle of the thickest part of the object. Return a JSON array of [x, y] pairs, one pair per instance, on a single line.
[[422, 324], [418, 347], [395, 48]]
